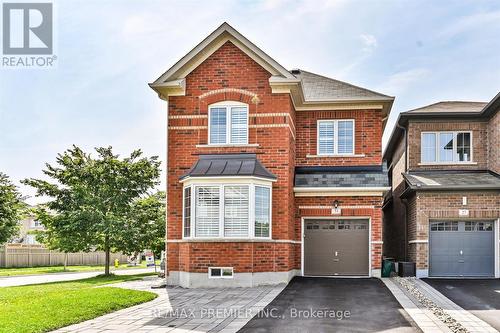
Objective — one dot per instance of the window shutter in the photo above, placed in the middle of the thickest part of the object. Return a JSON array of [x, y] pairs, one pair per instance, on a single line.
[[207, 211], [187, 212], [218, 124], [239, 125], [236, 211], [326, 132], [346, 137]]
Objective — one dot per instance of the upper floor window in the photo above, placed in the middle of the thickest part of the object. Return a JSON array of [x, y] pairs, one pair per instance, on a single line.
[[228, 123], [335, 137], [446, 147]]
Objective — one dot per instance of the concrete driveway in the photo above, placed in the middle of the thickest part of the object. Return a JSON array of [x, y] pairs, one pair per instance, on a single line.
[[480, 297], [332, 305], [22, 280]]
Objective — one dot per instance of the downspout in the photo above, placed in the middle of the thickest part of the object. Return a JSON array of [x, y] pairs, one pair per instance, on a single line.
[[405, 201]]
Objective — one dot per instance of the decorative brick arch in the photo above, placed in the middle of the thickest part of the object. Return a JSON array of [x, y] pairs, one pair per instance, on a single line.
[[228, 94]]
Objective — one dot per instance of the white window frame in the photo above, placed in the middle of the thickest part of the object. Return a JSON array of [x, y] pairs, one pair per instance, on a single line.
[[251, 208], [437, 156], [336, 137], [228, 105]]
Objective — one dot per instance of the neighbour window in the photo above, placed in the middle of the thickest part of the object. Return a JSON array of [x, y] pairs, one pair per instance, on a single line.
[[228, 124], [227, 211], [446, 147], [335, 137], [187, 211]]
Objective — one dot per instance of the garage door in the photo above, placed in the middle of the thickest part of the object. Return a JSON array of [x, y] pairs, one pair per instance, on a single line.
[[462, 248], [336, 247]]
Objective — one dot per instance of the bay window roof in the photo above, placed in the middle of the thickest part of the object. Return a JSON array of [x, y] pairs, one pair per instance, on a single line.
[[228, 165]]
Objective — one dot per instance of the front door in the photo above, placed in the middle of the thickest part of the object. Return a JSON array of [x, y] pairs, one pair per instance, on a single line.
[[336, 247]]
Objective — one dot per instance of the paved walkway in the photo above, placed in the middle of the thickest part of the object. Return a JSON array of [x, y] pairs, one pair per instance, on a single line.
[[57, 277], [423, 317], [177, 310]]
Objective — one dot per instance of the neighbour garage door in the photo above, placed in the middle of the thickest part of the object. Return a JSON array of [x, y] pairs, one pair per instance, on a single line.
[[462, 248], [336, 247]]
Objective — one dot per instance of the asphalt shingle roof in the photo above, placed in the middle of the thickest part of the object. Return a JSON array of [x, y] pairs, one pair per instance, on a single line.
[[440, 180], [450, 106], [343, 178], [223, 165], [320, 88]]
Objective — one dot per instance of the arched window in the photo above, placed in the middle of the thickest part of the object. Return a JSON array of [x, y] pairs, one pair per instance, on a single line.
[[228, 123]]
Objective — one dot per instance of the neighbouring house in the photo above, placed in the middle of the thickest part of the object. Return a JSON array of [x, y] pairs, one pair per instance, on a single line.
[[28, 229], [271, 173], [444, 207]]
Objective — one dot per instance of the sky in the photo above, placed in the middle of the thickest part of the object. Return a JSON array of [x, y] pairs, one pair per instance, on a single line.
[[420, 52]]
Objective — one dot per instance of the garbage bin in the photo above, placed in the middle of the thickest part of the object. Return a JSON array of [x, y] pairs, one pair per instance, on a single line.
[[406, 268], [387, 267]]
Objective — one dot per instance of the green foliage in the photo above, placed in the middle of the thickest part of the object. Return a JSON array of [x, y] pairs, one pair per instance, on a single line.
[[11, 208], [95, 201], [45, 307]]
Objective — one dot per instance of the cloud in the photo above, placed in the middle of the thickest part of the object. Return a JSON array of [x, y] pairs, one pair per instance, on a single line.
[[483, 21], [369, 41], [402, 81]]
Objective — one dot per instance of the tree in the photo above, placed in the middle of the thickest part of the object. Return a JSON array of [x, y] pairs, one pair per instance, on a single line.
[[147, 221], [10, 209], [93, 200]]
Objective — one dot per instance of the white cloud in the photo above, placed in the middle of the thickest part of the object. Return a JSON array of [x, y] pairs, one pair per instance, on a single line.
[[369, 41], [483, 21], [402, 81]]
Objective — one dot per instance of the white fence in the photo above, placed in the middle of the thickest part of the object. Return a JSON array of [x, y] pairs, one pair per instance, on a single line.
[[28, 255]]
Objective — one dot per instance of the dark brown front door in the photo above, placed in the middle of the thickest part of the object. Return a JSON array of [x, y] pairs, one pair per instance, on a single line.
[[336, 247]]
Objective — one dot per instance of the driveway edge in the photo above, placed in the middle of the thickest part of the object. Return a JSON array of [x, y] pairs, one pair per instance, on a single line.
[[426, 321]]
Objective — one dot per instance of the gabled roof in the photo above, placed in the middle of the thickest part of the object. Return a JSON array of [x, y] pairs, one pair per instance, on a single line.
[[229, 165], [320, 88], [208, 46], [308, 91]]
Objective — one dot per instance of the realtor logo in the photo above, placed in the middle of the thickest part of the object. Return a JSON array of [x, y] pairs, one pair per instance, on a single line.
[[27, 29]]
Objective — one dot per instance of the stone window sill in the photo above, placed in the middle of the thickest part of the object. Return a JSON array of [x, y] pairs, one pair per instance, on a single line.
[[447, 163], [336, 156], [249, 145]]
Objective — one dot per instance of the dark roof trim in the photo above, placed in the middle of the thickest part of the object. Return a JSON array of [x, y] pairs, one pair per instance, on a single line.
[[329, 169], [228, 165], [492, 107]]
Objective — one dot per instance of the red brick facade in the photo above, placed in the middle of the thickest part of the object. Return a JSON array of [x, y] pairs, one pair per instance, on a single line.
[[282, 139]]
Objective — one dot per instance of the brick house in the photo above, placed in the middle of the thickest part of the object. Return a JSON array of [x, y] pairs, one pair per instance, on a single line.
[[271, 173], [444, 207]]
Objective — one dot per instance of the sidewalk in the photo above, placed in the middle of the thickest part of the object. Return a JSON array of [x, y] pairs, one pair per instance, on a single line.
[[57, 277], [177, 310]]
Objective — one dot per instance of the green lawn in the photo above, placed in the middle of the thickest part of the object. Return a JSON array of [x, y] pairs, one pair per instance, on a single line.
[[60, 269], [44, 307]]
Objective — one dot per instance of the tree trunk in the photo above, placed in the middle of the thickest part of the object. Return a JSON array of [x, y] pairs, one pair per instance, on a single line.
[[65, 260], [107, 257]]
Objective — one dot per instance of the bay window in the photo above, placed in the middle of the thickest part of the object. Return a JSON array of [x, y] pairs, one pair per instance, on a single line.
[[446, 147], [335, 137], [227, 211], [228, 123]]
